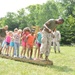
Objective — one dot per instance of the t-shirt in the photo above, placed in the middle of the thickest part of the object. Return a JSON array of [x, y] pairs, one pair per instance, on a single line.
[[8, 39], [30, 40], [25, 34], [51, 24], [39, 36], [17, 37]]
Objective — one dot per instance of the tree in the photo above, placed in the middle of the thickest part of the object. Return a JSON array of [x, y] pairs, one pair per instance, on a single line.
[[39, 14], [68, 28], [11, 21], [22, 19]]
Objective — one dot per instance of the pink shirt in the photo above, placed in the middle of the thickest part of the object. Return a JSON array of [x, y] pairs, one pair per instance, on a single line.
[[8, 39]]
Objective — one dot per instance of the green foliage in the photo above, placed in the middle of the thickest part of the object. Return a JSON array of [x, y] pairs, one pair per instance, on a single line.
[[22, 19], [68, 28], [11, 21], [38, 14]]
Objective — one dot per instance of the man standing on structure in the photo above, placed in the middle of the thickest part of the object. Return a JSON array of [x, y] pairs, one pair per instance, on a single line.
[[49, 26]]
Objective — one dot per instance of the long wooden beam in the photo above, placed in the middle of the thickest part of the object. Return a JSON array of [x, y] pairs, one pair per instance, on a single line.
[[38, 62]]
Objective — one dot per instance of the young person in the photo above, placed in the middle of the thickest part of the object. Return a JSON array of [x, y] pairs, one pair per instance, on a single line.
[[38, 44], [17, 36], [30, 43], [8, 39], [26, 31], [11, 47]]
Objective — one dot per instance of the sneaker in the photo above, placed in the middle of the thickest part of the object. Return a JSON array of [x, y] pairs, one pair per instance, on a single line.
[[7, 54], [15, 56], [35, 58], [20, 57], [31, 58], [24, 57], [27, 57]]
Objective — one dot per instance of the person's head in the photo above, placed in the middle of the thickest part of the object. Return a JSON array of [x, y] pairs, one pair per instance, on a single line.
[[15, 30], [19, 31], [27, 29], [32, 31], [59, 21], [6, 27], [10, 33]]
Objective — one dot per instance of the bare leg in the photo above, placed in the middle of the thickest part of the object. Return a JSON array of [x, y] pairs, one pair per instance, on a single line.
[[31, 52], [24, 50], [21, 52], [28, 52], [7, 50], [41, 56], [12, 51], [10, 48], [38, 52], [35, 53]]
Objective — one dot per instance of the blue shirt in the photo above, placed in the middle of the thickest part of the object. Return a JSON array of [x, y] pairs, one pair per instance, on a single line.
[[39, 36]]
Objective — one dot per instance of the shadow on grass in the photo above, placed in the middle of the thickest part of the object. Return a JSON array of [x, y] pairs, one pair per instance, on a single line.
[[57, 68], [60, 68]]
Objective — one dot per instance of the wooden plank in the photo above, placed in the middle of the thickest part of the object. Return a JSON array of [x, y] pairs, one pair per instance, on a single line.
[[38, 62]]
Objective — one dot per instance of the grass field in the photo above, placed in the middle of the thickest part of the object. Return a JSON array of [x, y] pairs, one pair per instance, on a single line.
[[63, 64]]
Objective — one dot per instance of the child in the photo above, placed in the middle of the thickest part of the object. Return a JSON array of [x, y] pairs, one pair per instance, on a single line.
[[17, 36], [38, 43], [30, 43], [8, 39], [26, 31], [11, 48]]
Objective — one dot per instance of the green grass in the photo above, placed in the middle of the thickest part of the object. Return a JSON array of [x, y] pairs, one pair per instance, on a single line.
[[63, 64]]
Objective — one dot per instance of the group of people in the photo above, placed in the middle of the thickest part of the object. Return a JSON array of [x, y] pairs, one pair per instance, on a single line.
[[11, 40]]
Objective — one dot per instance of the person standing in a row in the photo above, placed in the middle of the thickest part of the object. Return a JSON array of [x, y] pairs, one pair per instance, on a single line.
[[17, 36], [2, 35]]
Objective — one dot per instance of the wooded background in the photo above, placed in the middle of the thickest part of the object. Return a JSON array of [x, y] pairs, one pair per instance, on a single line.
[[37, 15]]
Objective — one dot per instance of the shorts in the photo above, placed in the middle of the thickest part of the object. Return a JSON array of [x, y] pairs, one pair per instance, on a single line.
[[38, 44], [12, 44], [29, 46], [3, 43], [7, 44], [23, 44]]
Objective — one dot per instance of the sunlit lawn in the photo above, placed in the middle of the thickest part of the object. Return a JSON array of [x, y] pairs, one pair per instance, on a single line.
[[63, 64]]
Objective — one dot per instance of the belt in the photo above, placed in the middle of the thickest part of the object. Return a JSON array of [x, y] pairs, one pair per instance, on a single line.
[[46, 30]]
